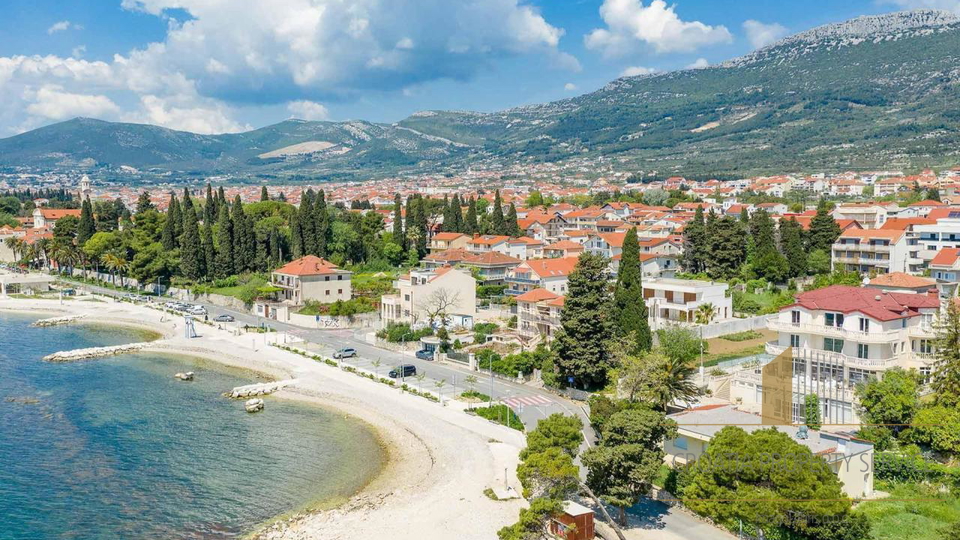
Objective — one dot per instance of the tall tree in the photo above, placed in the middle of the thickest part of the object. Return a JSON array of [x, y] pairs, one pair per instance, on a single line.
[[585, 326], [221, 199], [223, 266], [422, 226], [410, 221], [296, 234], [448, 224], [470, 224], [824, 230], [208, 248], [629, 310], [322, 224], [398, 237], [264, 194], [946, 375], [192, 260], [144, 203], [456, 212], [497, 223], [695, 243], [308, 224], [763, 235], [726, 246], [512, 225], [209, 207], [86, 227], [243, 238], [791, 245], [170, 233]]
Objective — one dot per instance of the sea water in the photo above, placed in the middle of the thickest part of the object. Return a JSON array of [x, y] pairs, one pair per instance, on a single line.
[[117, 448]]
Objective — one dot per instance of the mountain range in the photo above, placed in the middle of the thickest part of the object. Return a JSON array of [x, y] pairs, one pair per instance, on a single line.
[[872, 92]]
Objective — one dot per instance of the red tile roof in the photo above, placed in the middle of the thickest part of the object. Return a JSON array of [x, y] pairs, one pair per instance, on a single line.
[[900, 224], [447, 236], [536, 295], [57, 213], [946, 257], [308, 266], [552, 267], [491, 258], [875, 304], [903, 280]]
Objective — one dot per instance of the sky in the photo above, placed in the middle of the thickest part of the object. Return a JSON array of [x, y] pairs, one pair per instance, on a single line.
[[215, 66]]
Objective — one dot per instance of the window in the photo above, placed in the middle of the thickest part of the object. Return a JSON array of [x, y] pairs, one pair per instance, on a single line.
[[863, 351], [339, 291], [903, 323], [925, 346], [794, 340], [680, 443], [327, 292], [326, 278], [833, 345], [864, 324], [795, 317], [339, 277], [834, 319]]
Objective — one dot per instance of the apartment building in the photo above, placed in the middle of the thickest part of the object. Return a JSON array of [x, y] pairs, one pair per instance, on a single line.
[[491, 267], [563, 248], [868, 215], [842, 335], [425, 290], [538, 314], [314, 279], [524, 248], [942, 230], [485, 243], [549, 274], [869, 251], [672, 301]]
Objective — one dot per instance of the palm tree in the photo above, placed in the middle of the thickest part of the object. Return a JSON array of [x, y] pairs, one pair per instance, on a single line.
[[64, 253], [670, 380], [705, 313], [115, 263], [16, 245]]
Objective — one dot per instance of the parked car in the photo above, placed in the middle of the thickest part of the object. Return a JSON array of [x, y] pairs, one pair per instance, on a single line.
[[346, 352], [403, 370], [425, 354], [197, 310], [224, 318]]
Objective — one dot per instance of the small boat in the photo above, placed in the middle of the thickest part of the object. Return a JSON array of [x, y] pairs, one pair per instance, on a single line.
[[253, 405], [188, 376]]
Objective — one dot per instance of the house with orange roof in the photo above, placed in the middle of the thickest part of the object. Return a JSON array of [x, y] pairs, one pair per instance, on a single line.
[[945, 265], [311, 278], [562, 248], [491, 267], [524, 247], [443, 241], [924, 208], [606, 244], [442, 292], [550, 274], [483, 243], [876, 251], [543, 226], [538, 314], [903, 283], [47, 217], [868, 215]]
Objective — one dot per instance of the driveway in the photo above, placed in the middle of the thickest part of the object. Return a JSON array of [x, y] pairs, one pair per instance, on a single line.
[[654, 520]]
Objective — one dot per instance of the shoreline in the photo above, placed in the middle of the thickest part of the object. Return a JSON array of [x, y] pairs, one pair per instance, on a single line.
[[437, 460]]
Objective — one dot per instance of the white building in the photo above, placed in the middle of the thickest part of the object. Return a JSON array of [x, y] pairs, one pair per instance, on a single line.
[[678, 300], [871, 251], [314, 279], [549, 274], [427, 291]]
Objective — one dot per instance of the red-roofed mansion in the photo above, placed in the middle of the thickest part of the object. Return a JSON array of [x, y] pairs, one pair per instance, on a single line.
[[312, 278]]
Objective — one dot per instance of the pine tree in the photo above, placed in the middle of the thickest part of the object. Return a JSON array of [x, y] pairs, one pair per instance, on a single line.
[[695, 244], [585, 328], [169, 236], [398, 236], [824, 230], [791, 245], [264, 194], [512, 226], [223, 265], [629, 310], [209, 207], [308, 227], [208, 248], [497, 223], [296, 234], [726, 246], [191, 257], [762, 231], [470, 225], [86, 226], [187, 200], [144, 203], [221, 199], [322, 225]]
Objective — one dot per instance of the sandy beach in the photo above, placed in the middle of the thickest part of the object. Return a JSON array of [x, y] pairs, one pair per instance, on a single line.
[[440, 459]]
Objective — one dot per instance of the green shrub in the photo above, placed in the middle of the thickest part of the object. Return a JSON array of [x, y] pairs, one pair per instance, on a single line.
[[500, 414], [401, 332], [482, 330]]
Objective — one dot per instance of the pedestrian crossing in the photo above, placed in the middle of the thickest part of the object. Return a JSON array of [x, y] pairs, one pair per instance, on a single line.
[[515, 402]]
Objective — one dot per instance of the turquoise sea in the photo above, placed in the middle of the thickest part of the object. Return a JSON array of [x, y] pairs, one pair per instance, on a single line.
[[116, 448]]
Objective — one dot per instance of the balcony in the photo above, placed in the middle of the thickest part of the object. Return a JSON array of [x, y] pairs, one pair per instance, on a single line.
[[838, 358], [833, 331], [525, 281]]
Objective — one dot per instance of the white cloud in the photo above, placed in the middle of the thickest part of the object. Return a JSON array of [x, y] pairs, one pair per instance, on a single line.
[[185, 114], [631, 26], [569, 87], [761, 34], [633, 71], [78, 51], [52, 102], [62, 26], [308, 110], [699, 63], [946, 5]]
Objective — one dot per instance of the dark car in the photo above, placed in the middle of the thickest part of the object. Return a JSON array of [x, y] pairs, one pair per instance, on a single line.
[[223, 318], [346, 352], [425, 354], [403, 370]]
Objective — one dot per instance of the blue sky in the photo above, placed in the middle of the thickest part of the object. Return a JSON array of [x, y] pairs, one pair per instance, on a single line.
[[216, 65]]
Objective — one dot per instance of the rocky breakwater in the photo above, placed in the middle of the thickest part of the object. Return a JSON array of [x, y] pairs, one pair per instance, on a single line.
[[259, 389], [56, 321], [93, 352]]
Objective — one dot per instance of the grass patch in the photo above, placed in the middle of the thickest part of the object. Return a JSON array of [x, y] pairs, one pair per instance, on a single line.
[[662, 475], [743, 336], [899, 519]]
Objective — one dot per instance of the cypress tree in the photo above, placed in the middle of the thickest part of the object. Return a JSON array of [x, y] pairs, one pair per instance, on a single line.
[[223, 264], [86, 226], [726, 248], [512, 226], [322, 226], [209, 251], [209, 207], [629, 307], [243, 241], [824, 230], [762, 234], [457, 213], [308, 227], [144, 203], [169, 236], [695, 243], [274, 250], [187, 200], [221, 199], [296, 234], [264, 195], [410, 221], [422, 227], [191, 257], [447, 225], [497, 223], [791, 245], [398, 236], [470, 225], [581, 341]]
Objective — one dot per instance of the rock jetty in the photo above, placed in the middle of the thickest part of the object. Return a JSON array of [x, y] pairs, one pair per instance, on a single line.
[[260, 389], [93, 352], [56, 321]]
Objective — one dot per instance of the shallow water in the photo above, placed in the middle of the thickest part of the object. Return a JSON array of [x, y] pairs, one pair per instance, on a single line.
[[117, 448]]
